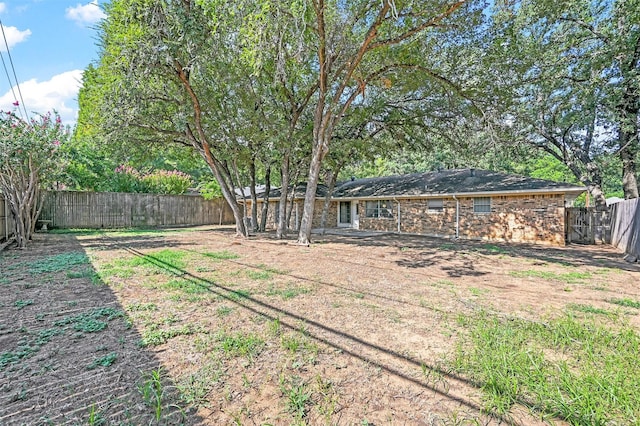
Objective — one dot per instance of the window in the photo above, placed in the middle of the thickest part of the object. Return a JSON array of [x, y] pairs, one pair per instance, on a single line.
[[435, 205], [380, 208], [482, 205]]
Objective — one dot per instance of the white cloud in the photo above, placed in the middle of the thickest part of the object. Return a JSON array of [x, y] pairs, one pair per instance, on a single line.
[[3, 7], [14, 36], [86, 14], [60, 94]]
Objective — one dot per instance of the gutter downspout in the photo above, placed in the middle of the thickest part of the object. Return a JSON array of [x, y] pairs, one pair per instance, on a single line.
[[457, 216], [399, 220]]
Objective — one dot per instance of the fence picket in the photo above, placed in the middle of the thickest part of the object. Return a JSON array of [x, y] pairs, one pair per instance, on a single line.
[[71, 209]]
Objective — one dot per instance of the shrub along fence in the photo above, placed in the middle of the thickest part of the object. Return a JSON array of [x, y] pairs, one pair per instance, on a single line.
[[6, 220], [625, 226], [70, 209]]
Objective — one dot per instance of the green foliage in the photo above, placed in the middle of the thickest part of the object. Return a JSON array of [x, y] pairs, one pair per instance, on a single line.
[[626, 302], [155, 337], [103, 361], [29, 160], [58, 262], [583, 371], [128, 179], [241, 344], [92, 321]]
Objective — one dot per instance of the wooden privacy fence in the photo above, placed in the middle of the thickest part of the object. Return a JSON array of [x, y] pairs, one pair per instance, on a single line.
[[68, 209], [6, 220], [625, 226]]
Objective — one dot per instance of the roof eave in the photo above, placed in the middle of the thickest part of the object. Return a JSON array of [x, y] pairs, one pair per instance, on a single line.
[[572, 191]]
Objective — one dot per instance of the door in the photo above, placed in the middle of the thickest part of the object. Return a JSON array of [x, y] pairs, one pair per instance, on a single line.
[[355, 214], [344, 214]]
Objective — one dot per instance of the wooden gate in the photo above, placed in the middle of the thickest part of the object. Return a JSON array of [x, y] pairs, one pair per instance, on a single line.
[[580, 225]]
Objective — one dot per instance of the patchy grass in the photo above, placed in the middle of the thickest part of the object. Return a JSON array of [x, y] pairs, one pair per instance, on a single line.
[[247, 345], [580, 370], [58, 262], [155, 336], [588, 309], [220, 255], [92, 321], [574, 277], [103, 361], [626, 302], [22, 303], [288, 292]]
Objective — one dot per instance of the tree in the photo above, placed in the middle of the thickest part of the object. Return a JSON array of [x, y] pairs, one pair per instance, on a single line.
[[29, 159], [569, 77], [169, 76], [356, 44]]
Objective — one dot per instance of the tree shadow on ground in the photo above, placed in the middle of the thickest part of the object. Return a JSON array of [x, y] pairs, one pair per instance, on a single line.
[[386, 359], [68, 353], [431, 249]]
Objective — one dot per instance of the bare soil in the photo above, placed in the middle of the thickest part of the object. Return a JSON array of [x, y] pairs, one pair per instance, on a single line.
[[355, 329]]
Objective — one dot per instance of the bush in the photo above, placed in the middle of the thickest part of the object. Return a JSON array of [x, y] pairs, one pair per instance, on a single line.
[[128, 179], [166, 182]]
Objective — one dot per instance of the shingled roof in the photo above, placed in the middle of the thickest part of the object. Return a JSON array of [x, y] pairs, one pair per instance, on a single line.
[[450, 182]]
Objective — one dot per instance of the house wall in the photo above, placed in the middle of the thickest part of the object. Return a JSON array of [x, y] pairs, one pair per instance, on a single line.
[[523, 218], [530, 218], [332, 214]]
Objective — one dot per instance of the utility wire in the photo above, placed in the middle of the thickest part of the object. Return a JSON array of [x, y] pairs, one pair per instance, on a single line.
[[6, 71], [26, 114]]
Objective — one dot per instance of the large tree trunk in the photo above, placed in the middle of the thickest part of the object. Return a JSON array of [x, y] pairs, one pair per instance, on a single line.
[[304, 236], [254, 197], [629, 170], [265, 199], [281, 229]]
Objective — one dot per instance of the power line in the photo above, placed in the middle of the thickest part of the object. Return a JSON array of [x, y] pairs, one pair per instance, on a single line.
[[26, 114], [6, 71]]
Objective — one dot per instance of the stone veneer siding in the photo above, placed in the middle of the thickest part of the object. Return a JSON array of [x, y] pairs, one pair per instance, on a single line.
[[515, 218], [332, 214], [521, 218]]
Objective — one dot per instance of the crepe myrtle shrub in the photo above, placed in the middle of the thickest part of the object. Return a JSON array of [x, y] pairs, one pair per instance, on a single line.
[[30, 161], [166, 182], [128, 179]]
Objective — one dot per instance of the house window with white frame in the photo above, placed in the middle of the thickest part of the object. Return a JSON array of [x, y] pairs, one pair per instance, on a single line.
[[378, 209], [435, 205], [482, 205]]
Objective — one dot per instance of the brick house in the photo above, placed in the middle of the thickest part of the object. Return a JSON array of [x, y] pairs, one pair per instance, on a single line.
[[461, 203]]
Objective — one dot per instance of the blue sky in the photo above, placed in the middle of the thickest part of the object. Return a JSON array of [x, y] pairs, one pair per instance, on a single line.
[[51, 42]]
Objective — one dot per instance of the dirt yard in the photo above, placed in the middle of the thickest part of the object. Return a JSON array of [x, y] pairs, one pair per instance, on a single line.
[[194, 326]]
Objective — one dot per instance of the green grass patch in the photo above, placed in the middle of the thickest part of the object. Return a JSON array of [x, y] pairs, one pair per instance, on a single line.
[[167, 262], [237, 295], [626, 302], [92, 321], [289, 292], [22, 303], [579, 370], [247, 345], [155, 337], [567, 277], [259, 275], [141, 307], [58, 262], [588, 309], [184, 285], [223, 311], [28, 345], [221, 255], [104, 361], [195, 388]]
